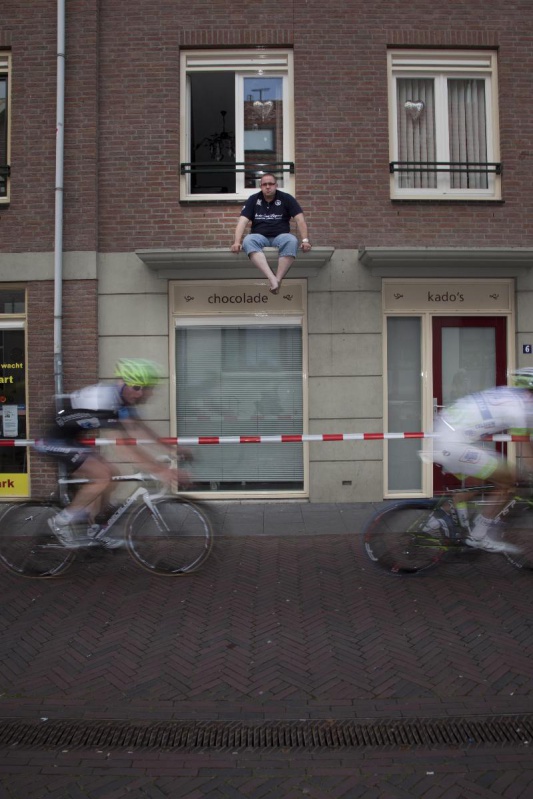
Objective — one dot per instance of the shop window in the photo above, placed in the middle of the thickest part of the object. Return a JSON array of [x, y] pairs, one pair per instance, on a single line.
[[4, 127], [237, 122], [443, 109], [13, 459], [238, 378], [404, 402]]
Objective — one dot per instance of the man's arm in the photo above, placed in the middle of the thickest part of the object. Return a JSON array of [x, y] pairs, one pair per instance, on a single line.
[[138, 429], [239, 233], [301, 224]]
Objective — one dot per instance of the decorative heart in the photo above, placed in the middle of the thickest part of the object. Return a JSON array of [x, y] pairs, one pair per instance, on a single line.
[[263, 108], [414, 109]]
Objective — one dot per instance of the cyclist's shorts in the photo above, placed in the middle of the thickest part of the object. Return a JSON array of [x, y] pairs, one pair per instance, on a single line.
[[71, 454], [464, 458]]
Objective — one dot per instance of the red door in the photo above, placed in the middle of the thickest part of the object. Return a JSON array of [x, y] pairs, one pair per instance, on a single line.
[[469, 354]]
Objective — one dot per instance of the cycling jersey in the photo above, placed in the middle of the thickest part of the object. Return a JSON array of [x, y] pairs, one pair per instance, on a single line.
[[93, 407], [461, 425], [90, 408]]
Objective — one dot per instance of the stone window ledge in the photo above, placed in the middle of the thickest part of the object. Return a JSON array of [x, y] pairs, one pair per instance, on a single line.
[[447, 261], [210, 264]]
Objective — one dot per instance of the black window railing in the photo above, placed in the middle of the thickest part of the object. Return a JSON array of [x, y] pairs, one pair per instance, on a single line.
[[444, 166], [5, 171], [208, 167]]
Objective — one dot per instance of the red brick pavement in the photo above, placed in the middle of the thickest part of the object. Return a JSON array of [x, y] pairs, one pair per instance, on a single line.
[[271, 628]]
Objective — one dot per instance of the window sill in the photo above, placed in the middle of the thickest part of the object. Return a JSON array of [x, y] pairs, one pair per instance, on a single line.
[[447, 261], [216, 263]]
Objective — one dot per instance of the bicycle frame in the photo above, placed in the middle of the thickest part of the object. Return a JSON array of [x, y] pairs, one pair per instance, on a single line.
[[140, 493], [513, 501]]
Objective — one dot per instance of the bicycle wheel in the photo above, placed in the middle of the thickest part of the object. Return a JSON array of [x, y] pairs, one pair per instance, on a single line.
[[27, 546], [175, 538], [394, 539], [518, 530]]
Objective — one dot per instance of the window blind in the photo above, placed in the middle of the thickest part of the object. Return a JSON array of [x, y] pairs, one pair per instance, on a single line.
[[241, 379]]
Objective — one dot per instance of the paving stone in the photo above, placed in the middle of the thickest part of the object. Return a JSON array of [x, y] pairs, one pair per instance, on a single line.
[[273, 627]]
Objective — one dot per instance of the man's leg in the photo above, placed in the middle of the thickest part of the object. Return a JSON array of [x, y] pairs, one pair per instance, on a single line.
[[284, 264], [253, 245], [287, 245], [485, 533], [259, 260], [91, 495]]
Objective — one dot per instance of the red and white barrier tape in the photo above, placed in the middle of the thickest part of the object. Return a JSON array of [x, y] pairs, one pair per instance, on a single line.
[[188, 441]]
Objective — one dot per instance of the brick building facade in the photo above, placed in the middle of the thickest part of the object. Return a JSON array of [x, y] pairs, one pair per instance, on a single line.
[[139, 238]]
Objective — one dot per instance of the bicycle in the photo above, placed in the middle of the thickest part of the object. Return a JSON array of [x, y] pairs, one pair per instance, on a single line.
[[167, 535], [413, 535]]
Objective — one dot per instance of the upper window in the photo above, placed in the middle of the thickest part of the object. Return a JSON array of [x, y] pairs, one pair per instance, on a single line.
[[444, 140], [236, 122], [4, 126]]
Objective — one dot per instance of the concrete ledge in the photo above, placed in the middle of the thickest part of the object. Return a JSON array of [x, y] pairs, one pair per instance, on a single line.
[[447, 261], [216, 263]]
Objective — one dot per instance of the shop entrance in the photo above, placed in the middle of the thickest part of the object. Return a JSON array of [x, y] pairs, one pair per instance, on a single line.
[[469, 354]]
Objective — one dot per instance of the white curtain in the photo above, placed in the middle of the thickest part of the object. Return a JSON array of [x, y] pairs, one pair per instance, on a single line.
[[416, 137], [467, 131]]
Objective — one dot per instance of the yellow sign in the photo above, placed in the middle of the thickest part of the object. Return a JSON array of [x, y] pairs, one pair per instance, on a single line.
[[14, 485]]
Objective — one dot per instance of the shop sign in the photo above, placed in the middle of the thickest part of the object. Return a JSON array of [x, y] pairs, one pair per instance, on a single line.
[[448, 296], [236, 298], [14, 485]]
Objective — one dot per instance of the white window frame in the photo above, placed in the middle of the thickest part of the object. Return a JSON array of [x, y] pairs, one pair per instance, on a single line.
[[5, 71], [441, 65], [245, 63]]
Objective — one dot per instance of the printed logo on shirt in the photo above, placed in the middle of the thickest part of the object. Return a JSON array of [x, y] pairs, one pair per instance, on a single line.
[[469, 456], [259, 202], [278, 202]]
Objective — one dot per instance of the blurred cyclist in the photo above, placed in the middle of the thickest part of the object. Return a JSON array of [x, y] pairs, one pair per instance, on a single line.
[[96, 407], [460, 428]]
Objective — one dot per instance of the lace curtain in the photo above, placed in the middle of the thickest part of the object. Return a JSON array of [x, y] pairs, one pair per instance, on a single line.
[[418, 129]]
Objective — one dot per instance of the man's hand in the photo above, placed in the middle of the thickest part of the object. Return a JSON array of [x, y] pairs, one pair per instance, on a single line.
[[236, 246], [305, 246], [185, 455], [170, 476]]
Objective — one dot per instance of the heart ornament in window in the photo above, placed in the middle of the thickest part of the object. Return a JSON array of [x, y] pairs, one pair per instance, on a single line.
[[263, 108], [414, 109]]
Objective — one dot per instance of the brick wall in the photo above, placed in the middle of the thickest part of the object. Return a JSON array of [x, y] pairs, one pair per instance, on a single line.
[[122, 168], [30, 32], [80, 366]]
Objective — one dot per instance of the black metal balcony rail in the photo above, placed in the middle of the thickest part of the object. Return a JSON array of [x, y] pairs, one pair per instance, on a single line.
[[208, 167], [5, 171], [469, 167]]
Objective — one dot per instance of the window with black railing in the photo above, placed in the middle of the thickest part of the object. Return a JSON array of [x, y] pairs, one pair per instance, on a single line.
[[4, 166], [236, 112], [445, 131]]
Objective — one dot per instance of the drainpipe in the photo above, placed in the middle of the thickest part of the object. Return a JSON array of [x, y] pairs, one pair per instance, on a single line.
[[58, 227], [58, 230]]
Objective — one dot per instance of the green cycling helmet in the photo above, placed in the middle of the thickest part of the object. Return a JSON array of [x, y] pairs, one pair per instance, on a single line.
[[138, 372], [523, 378]]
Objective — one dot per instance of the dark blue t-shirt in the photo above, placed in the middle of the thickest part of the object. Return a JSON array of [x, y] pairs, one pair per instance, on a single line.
[[271, 219]]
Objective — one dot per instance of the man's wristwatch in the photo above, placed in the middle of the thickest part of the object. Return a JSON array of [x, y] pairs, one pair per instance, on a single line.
[[305, 241]]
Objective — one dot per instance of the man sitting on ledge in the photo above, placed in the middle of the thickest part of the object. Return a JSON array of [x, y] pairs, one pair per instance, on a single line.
[[270, 211]]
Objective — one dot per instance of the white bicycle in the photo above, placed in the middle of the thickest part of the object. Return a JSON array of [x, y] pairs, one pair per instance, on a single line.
[[166, 534]]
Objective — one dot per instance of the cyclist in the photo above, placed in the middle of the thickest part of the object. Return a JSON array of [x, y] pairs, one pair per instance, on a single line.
[[96, 407], [459, 430]]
